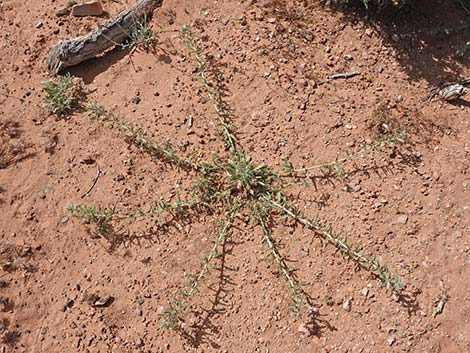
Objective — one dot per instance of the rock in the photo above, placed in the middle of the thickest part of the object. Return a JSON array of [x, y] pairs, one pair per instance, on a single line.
[[103, 301], [391, 341], [365, 291], [94, 8], [62, 12], [308, 35], [288, 116], [347, 305], [67, 304], [402, 219]]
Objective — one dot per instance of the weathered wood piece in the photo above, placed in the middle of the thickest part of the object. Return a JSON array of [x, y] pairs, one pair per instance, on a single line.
[[345, 75], [70, 52], [452, 92]]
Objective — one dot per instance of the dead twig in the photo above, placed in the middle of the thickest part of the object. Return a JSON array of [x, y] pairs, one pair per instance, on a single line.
[[345, 75], [93, 181]]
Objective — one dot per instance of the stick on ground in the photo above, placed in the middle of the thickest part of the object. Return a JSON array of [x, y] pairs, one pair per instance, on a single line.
[[345, 75], [93, 182], [70, 52]]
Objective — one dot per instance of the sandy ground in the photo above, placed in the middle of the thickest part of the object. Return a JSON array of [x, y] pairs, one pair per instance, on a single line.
[[274, 61]]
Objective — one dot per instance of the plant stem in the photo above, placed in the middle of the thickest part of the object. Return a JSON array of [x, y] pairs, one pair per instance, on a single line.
[[370, 264]]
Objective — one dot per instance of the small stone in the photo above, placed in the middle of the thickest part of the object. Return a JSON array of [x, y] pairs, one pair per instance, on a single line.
[[62, 12], [104, 301], [402, 219], [391, 341], [38, 25], [365, 291], [369, 32], [308, 35], [288, 116], [348, 57], [347, 305], [94, 8], [68, 304]]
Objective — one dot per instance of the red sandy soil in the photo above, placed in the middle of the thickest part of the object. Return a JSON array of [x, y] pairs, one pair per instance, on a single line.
[[275, 61]]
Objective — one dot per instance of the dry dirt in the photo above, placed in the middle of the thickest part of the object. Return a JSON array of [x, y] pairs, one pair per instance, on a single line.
[[275, 61]]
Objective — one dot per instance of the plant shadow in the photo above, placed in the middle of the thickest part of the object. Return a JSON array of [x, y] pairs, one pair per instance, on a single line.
[[2, 191], [426, 40], [429, 40], [12, 147], [203, 329]]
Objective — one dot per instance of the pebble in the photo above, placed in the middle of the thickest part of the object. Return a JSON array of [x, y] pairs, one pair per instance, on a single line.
[[403, 219], [288, 116], [68, 304], [308, 35], [62, 12], [104, 301], [94, 8], [347, 305]]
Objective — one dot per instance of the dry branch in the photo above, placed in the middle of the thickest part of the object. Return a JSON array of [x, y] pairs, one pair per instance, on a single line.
[[70, 52]]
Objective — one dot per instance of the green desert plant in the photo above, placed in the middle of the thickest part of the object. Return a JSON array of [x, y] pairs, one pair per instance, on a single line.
[[70, 3], [173, 316], [100, 217], [235, 186], [213, 94], [142, 36], [61, 94]]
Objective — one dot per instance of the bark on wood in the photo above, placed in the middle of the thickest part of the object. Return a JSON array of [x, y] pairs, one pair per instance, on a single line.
[[70, 52]]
